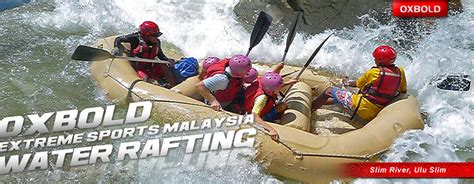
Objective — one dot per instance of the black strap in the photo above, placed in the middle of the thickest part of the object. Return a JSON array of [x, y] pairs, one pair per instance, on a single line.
[[360, 100], [229, 76], [357, 108], [378, 94], [271, 98], [129, 94], [377, 103]]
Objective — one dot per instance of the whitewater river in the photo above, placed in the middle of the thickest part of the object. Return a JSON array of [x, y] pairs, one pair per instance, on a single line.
[[37, 74]]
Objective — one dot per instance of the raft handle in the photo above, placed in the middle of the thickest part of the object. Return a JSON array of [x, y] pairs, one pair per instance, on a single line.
[[300, 155]]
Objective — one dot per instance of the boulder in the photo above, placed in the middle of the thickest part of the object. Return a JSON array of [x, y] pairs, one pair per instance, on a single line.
[[319, 14]]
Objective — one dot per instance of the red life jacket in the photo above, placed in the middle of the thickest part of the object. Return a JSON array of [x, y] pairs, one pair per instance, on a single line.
[[229, 93], [145, 51], [386, 87], [252, 92]]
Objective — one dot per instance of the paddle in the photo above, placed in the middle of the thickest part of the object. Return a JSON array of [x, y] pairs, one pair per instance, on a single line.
[[261, 26], [283, 76], [297, 7], [291, 35], [289, 40], [453, 82], [308, 62], [86, 53], [289, 73]]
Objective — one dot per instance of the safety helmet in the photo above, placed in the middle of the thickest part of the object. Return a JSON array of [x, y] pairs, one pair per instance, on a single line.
[[239, 66], [384, 55], [271, 81], [251, 75], [209, 61], [149, 28]]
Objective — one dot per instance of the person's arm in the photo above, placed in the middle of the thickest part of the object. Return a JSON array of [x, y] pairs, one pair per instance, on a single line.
[[118, 41], [278, 67], [130, 38], [271, 131], [289, 82], [202, 74], [201, 88], [364, 79], [161, 55], [257, 108], [348, 82], [214, 83]]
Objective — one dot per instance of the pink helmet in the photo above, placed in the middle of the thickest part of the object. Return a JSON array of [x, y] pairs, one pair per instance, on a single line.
[[271, 81], [239, 66], [251, 75], [208, 62]]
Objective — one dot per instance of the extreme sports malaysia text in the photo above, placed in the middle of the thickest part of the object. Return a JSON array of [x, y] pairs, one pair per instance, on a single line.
[[74, 138]]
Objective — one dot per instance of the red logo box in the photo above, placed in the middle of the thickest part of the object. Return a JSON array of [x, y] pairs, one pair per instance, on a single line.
[[420, 8], [408, 170]]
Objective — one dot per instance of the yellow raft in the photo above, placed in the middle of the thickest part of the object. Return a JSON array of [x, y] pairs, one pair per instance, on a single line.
[[301, 155]]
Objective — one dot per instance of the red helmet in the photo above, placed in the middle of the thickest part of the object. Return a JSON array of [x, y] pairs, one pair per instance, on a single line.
[[149, 28], [384, 55]]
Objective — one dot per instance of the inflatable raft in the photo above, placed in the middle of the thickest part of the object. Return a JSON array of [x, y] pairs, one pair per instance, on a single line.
[[300, 155]]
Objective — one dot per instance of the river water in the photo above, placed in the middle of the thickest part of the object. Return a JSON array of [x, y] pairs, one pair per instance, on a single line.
[[37, 74]]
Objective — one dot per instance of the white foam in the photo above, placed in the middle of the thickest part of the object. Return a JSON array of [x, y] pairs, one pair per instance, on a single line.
[[210, 28]]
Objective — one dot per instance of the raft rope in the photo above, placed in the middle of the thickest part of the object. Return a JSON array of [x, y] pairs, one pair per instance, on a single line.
[[129, 93], [300, 155], [297, 153], [179, 102]]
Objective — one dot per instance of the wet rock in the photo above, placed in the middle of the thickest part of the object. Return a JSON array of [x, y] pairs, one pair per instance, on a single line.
[[319, 14]]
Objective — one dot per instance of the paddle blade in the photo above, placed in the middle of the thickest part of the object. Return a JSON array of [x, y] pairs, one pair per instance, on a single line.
[[261, 26], [292, 33], [86, 53], [316, 51]]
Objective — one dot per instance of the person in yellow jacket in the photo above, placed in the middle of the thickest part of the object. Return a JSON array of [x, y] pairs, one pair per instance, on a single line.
[[379, 86]]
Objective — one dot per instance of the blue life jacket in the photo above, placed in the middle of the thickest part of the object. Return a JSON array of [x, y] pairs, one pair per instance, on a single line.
[[185, 68]]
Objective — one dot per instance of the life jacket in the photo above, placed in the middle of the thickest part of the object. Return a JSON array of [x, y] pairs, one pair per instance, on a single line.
[[143, 50], [252, 92], [206, 74], [229, 93], [386, 87]]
